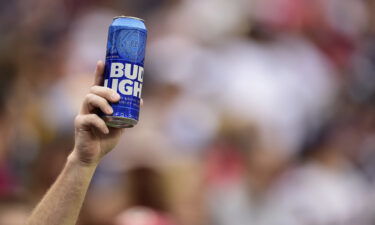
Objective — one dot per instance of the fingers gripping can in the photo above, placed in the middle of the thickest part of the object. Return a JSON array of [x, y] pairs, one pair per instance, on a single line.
[[124, 69]]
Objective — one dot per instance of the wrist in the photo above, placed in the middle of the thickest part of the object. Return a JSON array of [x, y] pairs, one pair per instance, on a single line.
[[74, 159]]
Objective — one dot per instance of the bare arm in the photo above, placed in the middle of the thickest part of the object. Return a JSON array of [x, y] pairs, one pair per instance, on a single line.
[[62, 203], [93, 139]]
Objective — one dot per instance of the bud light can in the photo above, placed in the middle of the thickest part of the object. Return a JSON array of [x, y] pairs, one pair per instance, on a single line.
[[124, 69]]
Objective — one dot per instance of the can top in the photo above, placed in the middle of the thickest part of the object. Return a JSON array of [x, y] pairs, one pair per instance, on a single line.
[[128, 22], [131, 17]]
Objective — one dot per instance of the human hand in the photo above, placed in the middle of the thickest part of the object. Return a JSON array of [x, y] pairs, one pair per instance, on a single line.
[[93, 139]]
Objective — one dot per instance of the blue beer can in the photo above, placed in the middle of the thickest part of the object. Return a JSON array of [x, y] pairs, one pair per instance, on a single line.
[[124, 69]]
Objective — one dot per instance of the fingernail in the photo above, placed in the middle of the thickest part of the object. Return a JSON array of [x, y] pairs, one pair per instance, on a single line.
[[115, 96], [106, 131], [109, 110]]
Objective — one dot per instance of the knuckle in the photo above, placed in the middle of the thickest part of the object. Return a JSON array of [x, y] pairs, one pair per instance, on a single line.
[[89, 97], [94, 89], [78, 120], [92, 99]]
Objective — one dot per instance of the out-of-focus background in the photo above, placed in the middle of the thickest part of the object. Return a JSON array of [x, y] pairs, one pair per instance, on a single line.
[[256, 112]]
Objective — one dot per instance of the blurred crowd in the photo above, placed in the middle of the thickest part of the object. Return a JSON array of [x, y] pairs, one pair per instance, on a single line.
[[256, 112]]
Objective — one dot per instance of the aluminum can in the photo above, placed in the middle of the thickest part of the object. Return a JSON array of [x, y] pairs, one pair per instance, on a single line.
[[124, 69]]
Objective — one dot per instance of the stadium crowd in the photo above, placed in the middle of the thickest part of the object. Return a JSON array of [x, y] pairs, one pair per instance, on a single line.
[[256, 111]]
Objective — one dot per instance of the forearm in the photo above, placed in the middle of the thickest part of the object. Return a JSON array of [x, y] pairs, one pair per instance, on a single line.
[[62, 203], [93, 139]]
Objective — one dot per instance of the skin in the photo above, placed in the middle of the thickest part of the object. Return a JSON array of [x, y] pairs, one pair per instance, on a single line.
[[93, 139]]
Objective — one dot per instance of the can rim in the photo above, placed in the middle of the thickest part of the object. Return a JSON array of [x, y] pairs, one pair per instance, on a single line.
[[132, 17]]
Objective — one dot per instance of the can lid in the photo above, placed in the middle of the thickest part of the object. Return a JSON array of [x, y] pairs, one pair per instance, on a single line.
[[132, 17]]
